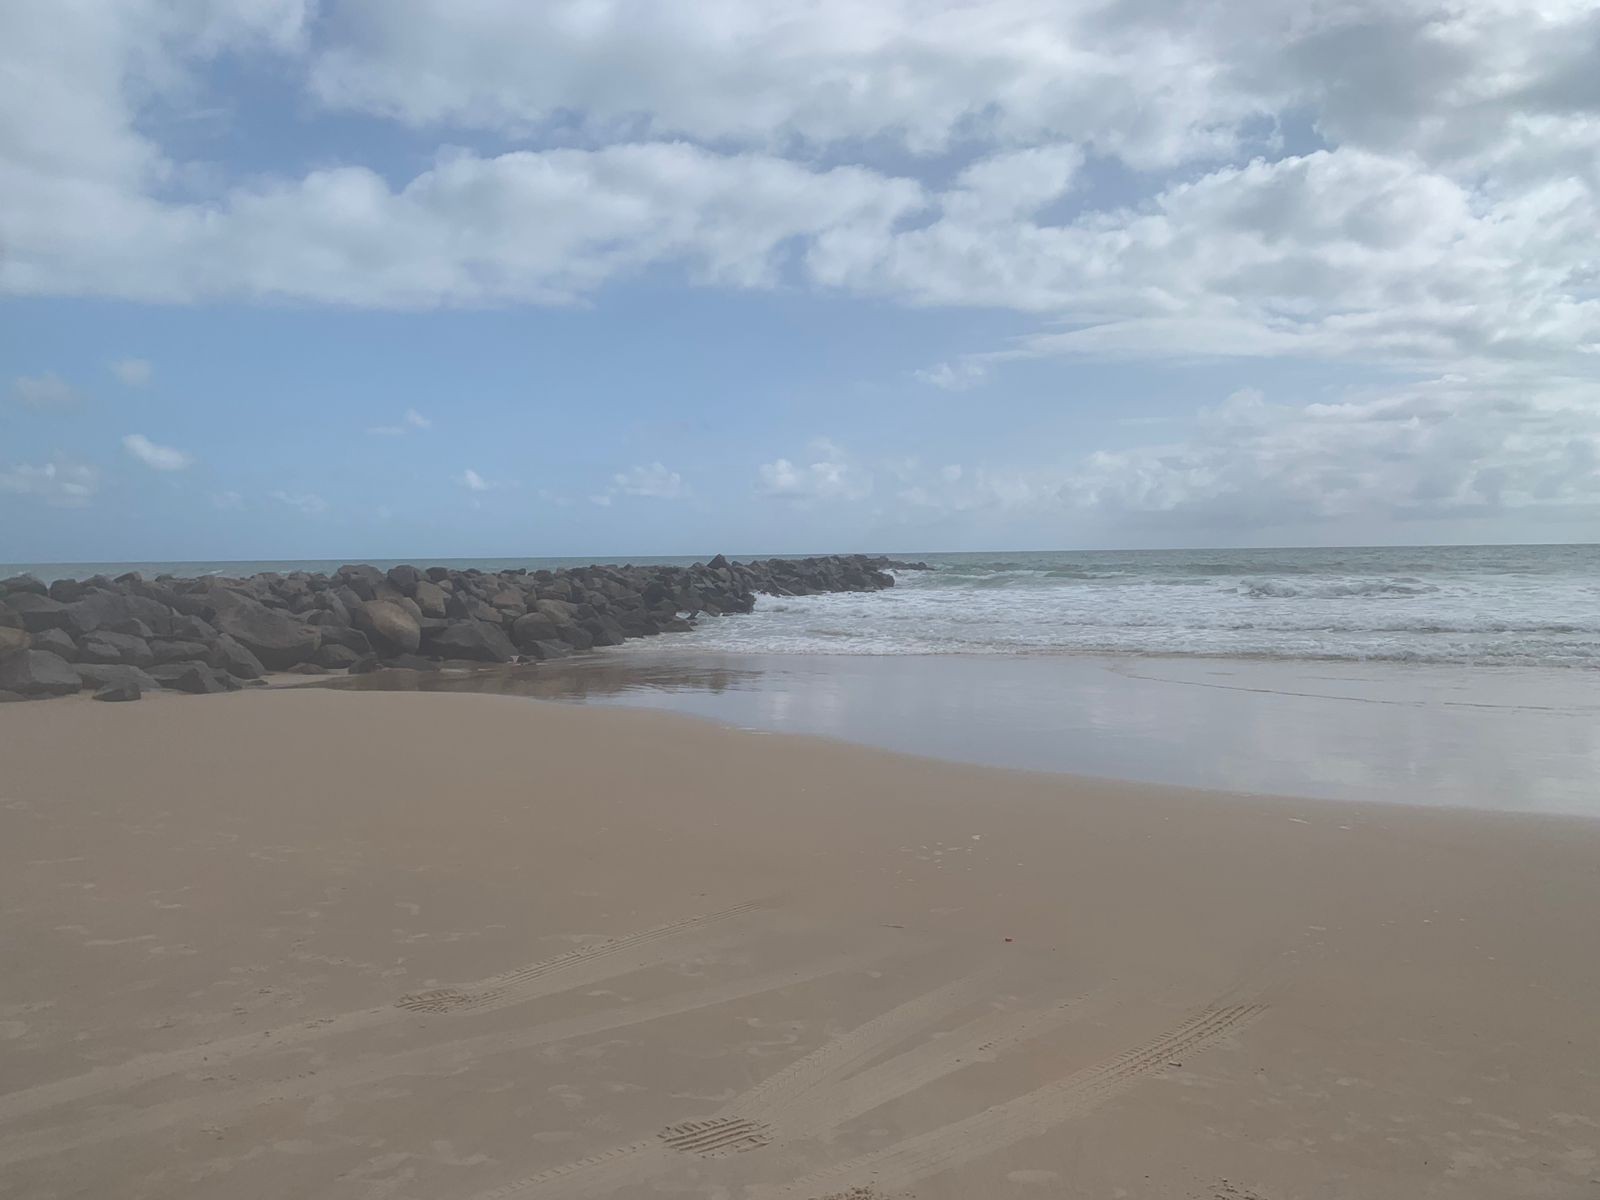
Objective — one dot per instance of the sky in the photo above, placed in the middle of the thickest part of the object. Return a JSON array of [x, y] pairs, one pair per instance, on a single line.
[[410, 278]]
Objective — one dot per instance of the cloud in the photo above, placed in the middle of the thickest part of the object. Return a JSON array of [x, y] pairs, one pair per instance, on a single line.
[[1446, 448], [820, 72], [60, 482], [226, 500], [157, 458], [308, 503], [955, 376], [135, 372], [43, 391], [654, 481], [830, 476], [410, 421], [474, 482]]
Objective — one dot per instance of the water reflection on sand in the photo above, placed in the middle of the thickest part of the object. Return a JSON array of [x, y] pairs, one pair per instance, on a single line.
[[1500, 738]]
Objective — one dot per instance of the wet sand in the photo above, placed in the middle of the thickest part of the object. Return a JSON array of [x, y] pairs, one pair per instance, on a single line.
[[316, 943], [1512, 739]]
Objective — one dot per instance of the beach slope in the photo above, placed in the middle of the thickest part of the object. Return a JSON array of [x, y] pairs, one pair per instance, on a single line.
[[454, 947]]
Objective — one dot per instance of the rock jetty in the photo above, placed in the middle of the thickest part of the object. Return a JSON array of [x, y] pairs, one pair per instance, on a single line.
[[122, 637]]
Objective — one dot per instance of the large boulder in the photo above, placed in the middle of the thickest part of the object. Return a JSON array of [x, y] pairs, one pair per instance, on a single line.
[[478, 641], [38, 673], [101, 675], [430, 598], [558, 611], [389, 626], [66, 590], [108, 647], [235, 658], [57, 642], [198, 678], [535, 627], [335, 656], [13, 641], [276, 639], [112, 610], [119, 691], [23, 584], [404, 579], [37, 611], [166, 651]]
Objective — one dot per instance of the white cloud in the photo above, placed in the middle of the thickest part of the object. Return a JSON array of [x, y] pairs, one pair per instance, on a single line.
[[474, 482], [830, 476], [955, 376], [157, 458], [60, 482], [135, 372], [653, 480], [1445, 448], [820, 71], [308, 503], [43, 391], [226, 500], [410, 421]]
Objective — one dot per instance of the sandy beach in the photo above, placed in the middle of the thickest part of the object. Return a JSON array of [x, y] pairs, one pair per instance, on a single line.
[[453, 947]]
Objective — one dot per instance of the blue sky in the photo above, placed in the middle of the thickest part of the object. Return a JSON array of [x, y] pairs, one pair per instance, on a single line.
[[412, 279]]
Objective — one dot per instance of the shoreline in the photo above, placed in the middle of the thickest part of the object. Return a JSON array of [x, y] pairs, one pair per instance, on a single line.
[[453, 947], [1349, 732]]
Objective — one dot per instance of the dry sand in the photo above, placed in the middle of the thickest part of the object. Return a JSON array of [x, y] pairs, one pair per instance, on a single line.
[[453, 947]]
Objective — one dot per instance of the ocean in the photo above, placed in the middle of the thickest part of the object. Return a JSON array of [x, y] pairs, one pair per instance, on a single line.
[[1520, 605], [1483, 605]]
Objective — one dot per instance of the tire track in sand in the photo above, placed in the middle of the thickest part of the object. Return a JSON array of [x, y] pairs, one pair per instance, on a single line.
[[1001, 1125], [586, 964], [438, 1058], [582, 967], [602, 1174]]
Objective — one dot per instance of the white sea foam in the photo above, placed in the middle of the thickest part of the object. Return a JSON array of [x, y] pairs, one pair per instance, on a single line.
[[1514, 605]]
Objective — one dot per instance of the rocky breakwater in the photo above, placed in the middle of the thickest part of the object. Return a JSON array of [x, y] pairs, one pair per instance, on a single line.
[[125, 636]]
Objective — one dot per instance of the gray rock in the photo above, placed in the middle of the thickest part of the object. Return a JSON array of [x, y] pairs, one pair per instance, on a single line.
[[11, 697], [119, 691], [192, 629], [330, 654], [366, 664], [478, 641], [23, 585], [197, 678], [404, 579], [235, 658], [37, 611], [66, 590], [343, 635], [38, 673], [166, 651], [98, 675], [389, 626], [430, 598], [558, 611], [14, 641], [576, 636], [535, 627], [108, 647], [277, 640], [112, 610], [57, 642]]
